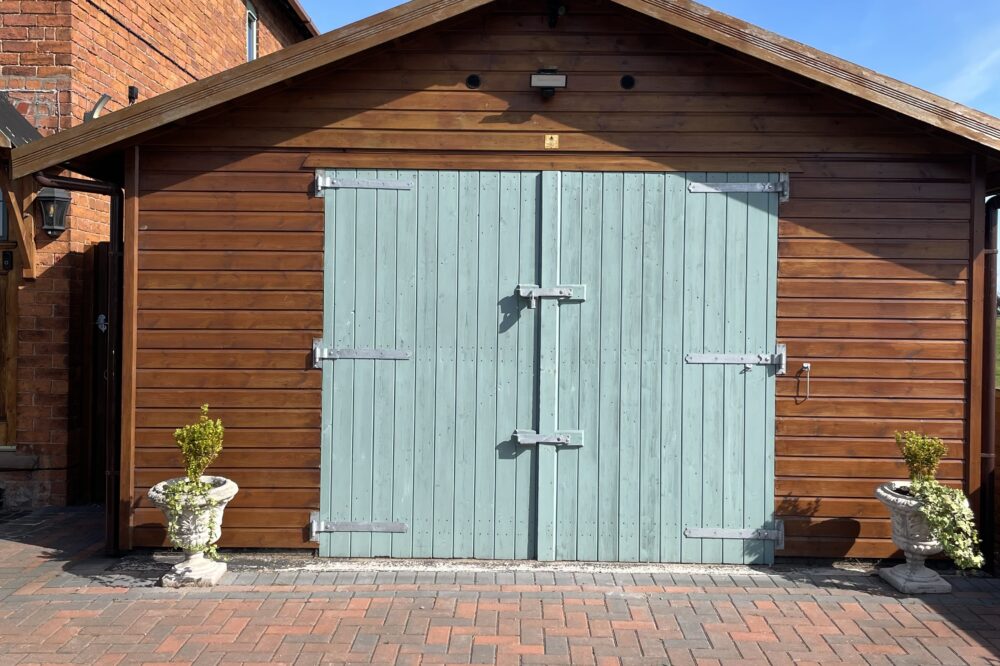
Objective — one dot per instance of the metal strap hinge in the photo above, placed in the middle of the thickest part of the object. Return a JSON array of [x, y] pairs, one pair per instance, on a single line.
[[317, 526], [323, 353], [777, 534], [781, 187], [559, 438], [779, 359], [326, 181]]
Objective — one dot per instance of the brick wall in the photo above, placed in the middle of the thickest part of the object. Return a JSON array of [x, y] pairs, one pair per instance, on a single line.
[[56, 59]]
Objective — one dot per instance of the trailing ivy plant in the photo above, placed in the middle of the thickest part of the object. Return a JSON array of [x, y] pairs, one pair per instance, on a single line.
[[200, 444], [946, 509]]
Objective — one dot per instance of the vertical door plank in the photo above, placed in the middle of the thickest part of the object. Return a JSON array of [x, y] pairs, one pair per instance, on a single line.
[[674, 371], [486, 364], [527, 395], [630, 330], [425, 364], [509, 322], [610, 367], [712, 456], [326, 500], [570, 242], [446, 367], [362, 476], [693, 394], [342, 335], [592, 208], [651, 367], [734, 392], [467, 288], [548, 365], [757, 339], [767, 488], [384, 403], [405, 290]]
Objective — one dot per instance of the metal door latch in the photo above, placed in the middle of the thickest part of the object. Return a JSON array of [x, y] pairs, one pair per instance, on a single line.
[[323, 353], [102, 323], [778, 359], [749, 534], [567, 292], [560, 438]]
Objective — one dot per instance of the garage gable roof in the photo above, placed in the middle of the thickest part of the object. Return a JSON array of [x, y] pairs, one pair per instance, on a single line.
[[301, 58]]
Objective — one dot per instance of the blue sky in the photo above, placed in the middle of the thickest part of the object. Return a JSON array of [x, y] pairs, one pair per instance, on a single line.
[[952, 48]]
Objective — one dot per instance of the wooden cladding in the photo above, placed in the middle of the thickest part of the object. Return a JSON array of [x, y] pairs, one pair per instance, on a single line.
[[874, 271]]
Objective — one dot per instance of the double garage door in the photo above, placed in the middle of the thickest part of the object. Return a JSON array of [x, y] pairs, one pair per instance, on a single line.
[[558, 366]]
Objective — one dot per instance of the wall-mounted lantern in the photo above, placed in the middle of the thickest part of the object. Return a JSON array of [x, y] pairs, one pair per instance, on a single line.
[[54, 204], [548, 81]]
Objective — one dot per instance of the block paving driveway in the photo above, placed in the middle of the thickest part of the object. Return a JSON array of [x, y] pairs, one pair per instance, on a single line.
[[62, 602]]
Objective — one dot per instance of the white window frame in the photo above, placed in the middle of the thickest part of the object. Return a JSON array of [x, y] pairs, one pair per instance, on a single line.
[[252, 32]]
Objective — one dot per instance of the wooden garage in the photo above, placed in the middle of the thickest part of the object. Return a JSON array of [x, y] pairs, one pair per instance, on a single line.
[[622, 280]]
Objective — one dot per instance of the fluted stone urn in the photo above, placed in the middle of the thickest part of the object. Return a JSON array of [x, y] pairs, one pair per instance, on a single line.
[[912, 534], [199, 524]]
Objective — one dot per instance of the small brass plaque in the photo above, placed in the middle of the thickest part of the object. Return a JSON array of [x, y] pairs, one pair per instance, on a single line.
[[551, 142]]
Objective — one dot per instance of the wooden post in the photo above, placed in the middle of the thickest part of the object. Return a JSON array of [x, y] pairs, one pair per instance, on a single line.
[[130, 276]]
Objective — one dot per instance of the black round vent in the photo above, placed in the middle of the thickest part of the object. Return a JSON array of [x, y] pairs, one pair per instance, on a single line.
[[628, 82], [473, 81]]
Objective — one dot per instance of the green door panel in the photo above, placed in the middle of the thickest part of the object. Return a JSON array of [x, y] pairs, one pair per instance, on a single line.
[[666, 445]]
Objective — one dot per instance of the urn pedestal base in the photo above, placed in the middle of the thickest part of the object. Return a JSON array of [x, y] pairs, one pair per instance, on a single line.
[[915, 579], [912, 534], [196, 571]]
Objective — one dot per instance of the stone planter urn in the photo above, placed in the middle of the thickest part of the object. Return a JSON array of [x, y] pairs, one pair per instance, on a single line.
[[199, 525], [912, 534]]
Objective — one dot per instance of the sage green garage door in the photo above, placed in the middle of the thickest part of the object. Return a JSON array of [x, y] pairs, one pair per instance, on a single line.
[[570, 366]]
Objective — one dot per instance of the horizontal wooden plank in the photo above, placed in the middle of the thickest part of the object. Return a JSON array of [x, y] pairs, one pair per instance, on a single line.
[[229, 202], [873, 328], [832, 547], [221, 379], [248, 397], [878, 368], [239, 537], [290, 182], [276, 439], [894, 289], [873, 189], [611, 141], [232, 240], [551, 161], [224, 360], [827, 487], [238, 418], [869, 210], [814, 426], [206, 158], [879, 249], [875, 349], [231, 458], [857, 268], [849, 528], [794, 384], [939, 168], [867, 308], [851, 447], [857, 468], [246, 320], [227, 260], [222, 279], [234, 517], [235, 300], [300, 341], [872, 229], [257, 498], [146, 477], [572, 120], [247, 221], [872, 407]]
